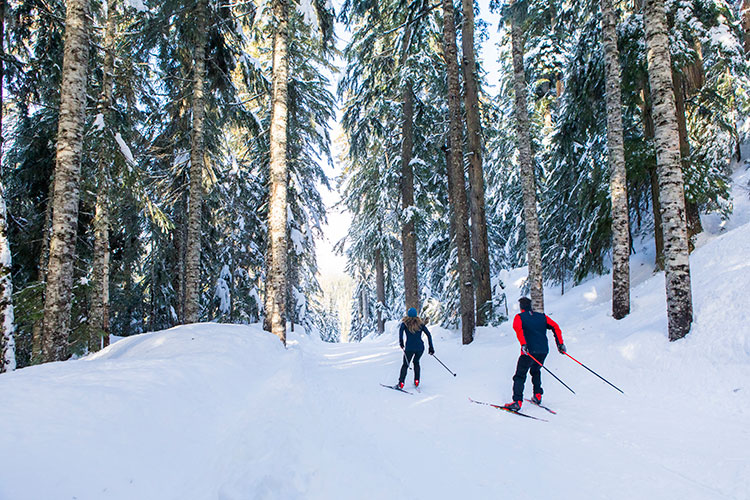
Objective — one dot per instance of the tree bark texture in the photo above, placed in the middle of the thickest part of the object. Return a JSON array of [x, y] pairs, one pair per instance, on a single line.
[[197, 155], [100, 300], [528, 181], [380, 288], [59, 289], [669, 171], [277, 207], [618, 187], [456, 173], [408, 234], [7, 323], [479, 242]]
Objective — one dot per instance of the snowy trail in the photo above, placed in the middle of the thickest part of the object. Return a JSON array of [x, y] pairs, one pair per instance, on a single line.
[[218, 411]]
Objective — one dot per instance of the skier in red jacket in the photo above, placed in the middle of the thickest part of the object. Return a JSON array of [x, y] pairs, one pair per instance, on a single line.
[[531, 329]]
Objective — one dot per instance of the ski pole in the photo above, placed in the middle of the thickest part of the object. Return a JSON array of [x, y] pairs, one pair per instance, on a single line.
[[548, 371], [408, 363], [592, 371], [443, 364]]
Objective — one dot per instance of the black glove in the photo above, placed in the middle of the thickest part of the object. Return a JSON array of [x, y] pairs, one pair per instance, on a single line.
[[561, 348], [401, 344], [432, 351], [524, 349]]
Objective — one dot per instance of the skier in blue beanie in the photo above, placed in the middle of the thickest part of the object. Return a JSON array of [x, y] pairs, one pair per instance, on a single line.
[[413, 326]]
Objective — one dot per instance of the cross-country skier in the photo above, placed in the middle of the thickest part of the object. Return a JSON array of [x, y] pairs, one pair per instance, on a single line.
[[413, 327], [531, 329]]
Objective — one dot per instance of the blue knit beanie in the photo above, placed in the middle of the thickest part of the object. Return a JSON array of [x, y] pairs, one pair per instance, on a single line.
[[412, 313]]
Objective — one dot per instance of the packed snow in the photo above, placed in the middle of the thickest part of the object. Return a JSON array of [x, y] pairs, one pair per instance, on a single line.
[[211, 411]]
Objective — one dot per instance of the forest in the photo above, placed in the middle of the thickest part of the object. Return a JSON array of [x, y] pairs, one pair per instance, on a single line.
[[163, 160]]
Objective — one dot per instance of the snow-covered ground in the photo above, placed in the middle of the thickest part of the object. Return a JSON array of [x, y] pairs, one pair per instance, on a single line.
[[224, 412]]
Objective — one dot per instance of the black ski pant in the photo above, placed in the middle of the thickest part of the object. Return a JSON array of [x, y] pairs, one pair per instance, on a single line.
[[526, 364], [408, 355]]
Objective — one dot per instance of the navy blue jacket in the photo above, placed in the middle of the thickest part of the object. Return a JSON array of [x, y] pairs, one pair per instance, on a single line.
[[414, 341], [531, 329]]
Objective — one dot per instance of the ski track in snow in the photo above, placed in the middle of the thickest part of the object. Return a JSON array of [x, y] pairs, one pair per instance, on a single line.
[[224, 412]]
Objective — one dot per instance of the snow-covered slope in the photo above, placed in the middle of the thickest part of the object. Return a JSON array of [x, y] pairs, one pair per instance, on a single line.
[[224, 412]]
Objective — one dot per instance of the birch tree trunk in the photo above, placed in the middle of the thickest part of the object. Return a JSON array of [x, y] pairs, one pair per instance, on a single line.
[[456, 174], [7, 323], [195, 203], [59, 289], [100, 299], [408, 231], [277, 205], [618, 187], [528, 181], [479, 243], [380, 288], [671, 189]]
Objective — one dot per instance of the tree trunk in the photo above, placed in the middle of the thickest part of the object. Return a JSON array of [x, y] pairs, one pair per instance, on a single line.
[[648, 133], [408, 235], [528, 181], [745, 21], [479, 243], [380, 288], [7, 324], [408, 231], [36, 331], [277, 206], [59, 290], [195, 204], [100, 300], [456, 173], [669, 171], [692, 211], [618, 186]]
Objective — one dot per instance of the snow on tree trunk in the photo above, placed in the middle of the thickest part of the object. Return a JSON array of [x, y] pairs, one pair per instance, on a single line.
[[195, 203], [100, 300], [408, 235], [671, 189], [277, 206], [380, 289], [479, 243], [617, 178], [528, 182], [59, 289], [7, 337], [456, 173]]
